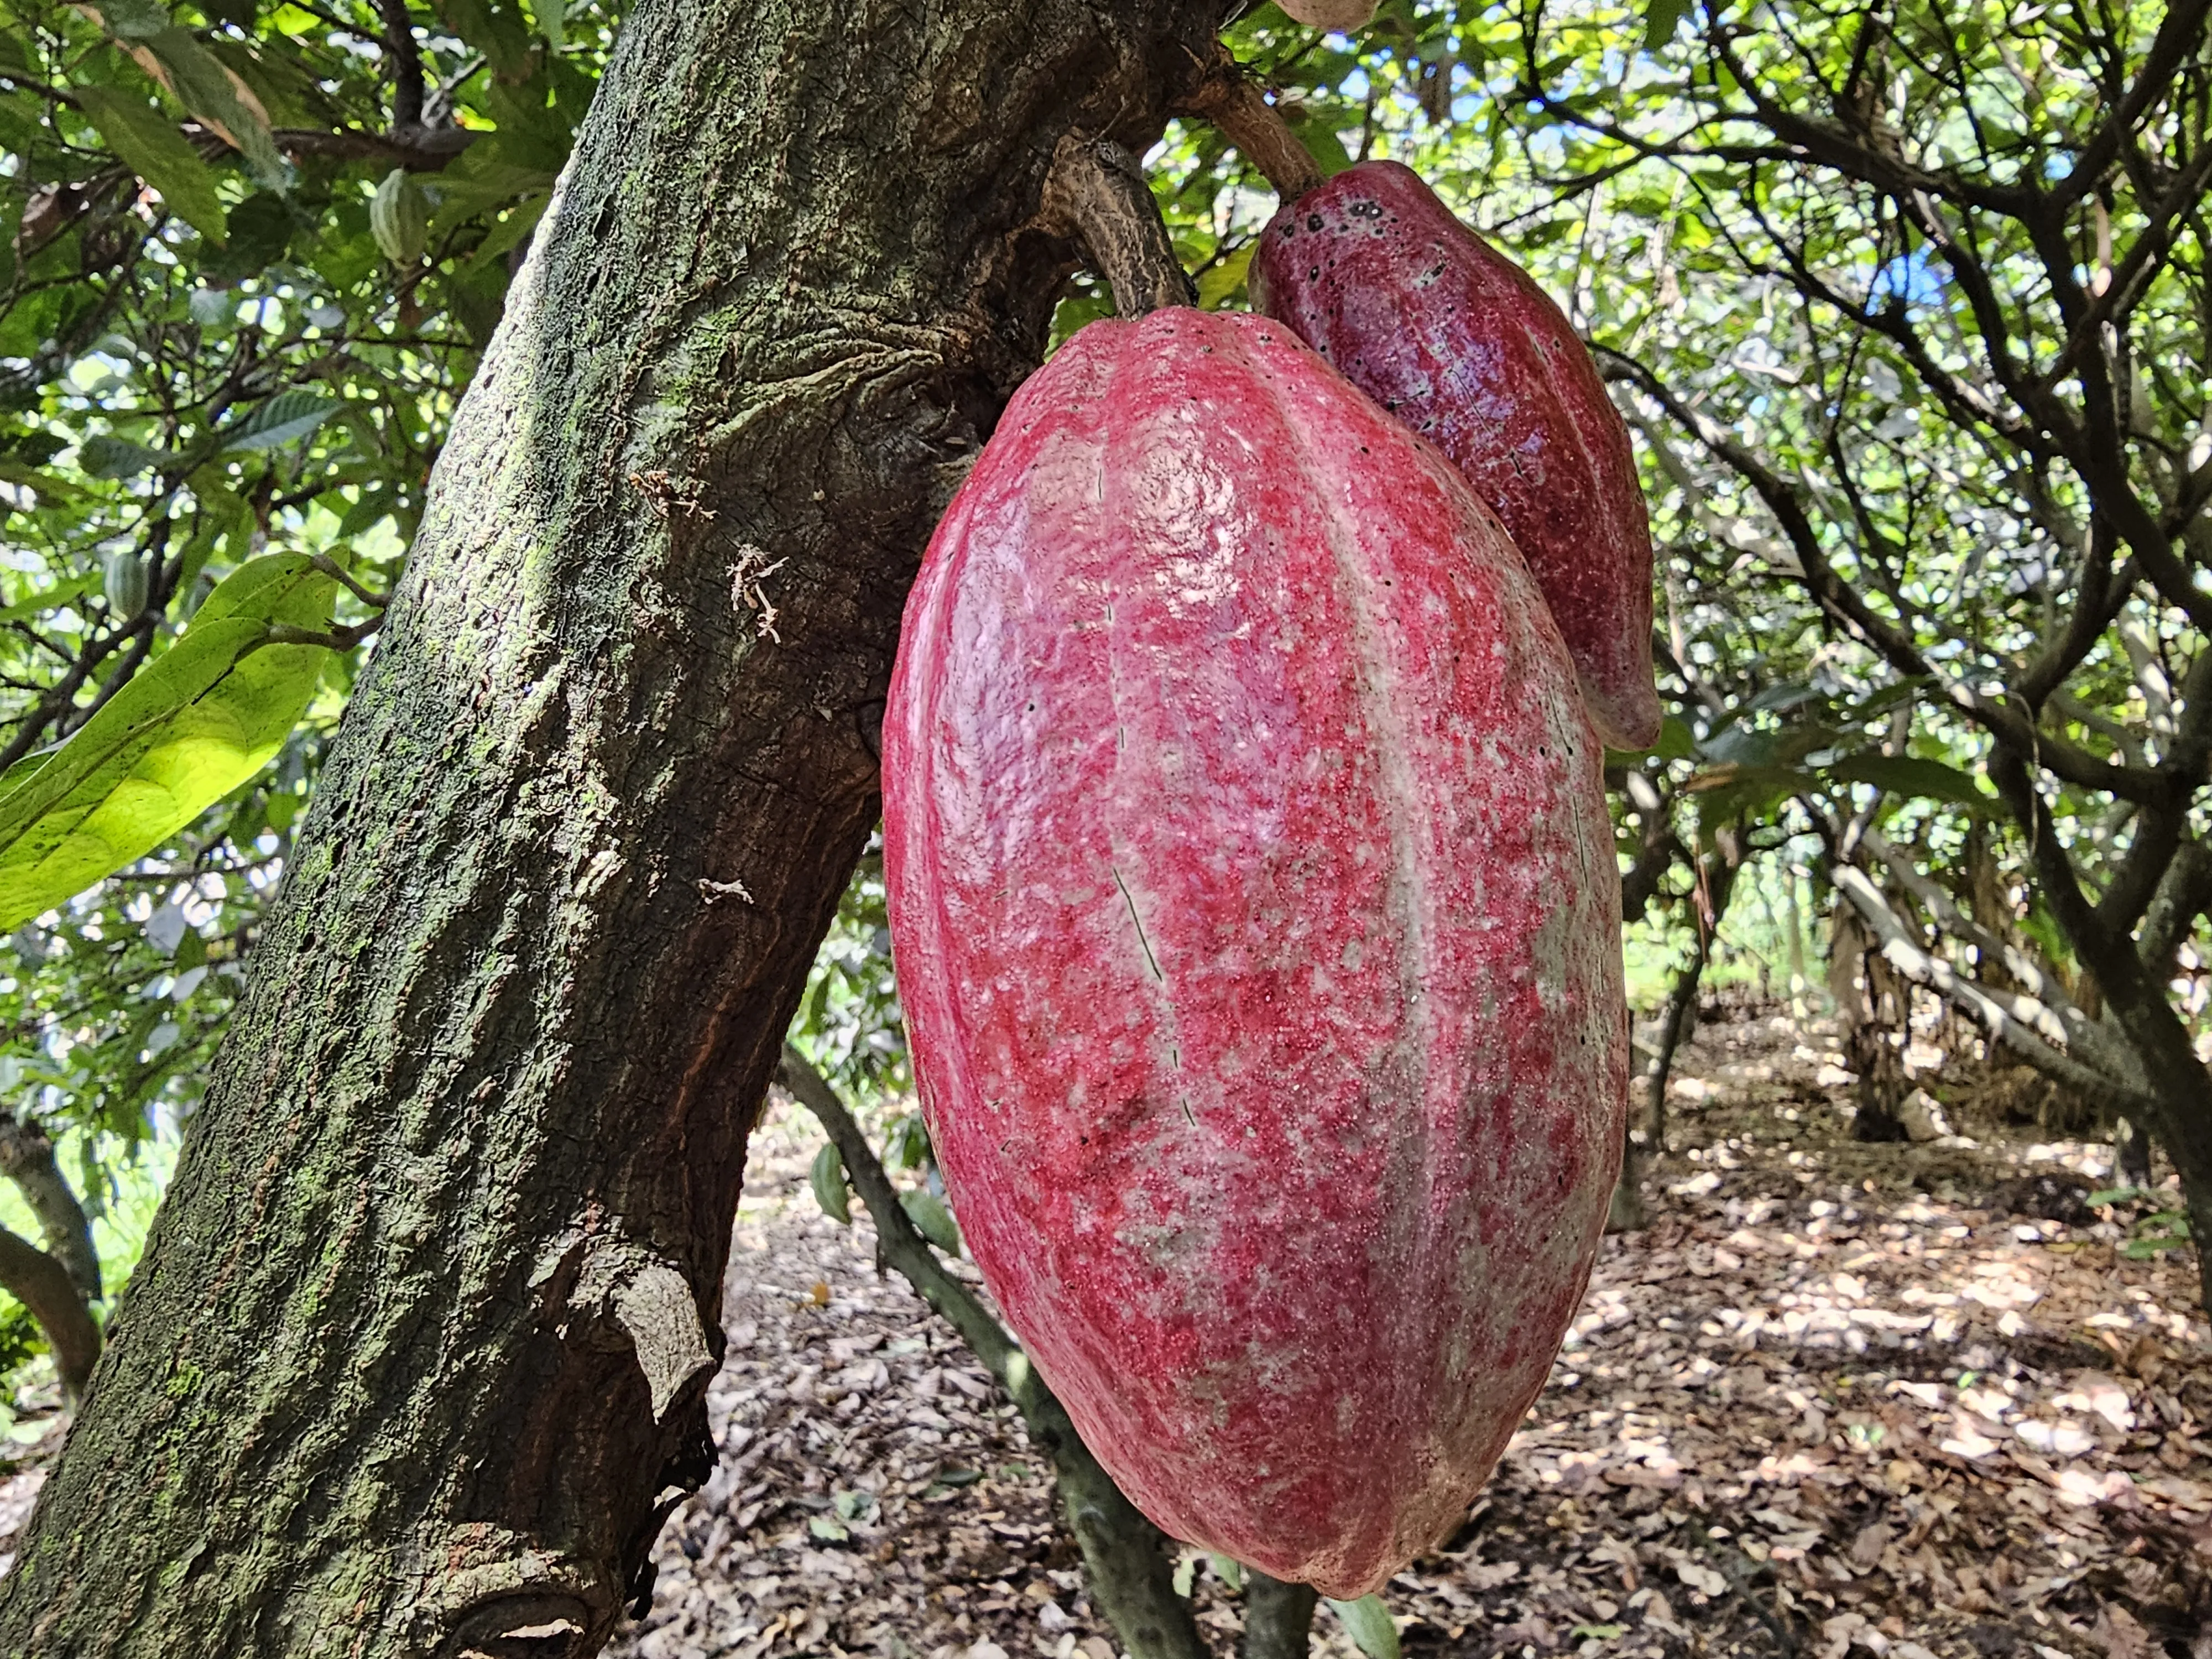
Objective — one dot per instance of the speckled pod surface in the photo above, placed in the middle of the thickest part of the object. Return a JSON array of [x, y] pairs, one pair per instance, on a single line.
[[1459, 342], [1257, 925]]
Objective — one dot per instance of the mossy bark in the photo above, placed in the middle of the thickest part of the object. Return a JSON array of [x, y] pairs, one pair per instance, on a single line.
[[416, 1363]]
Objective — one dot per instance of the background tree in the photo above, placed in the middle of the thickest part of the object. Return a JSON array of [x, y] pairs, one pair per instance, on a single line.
[[1976, 245]]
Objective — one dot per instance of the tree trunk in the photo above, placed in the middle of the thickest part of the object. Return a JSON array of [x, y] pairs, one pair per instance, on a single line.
[[1871, 998], [416, 1361], [1716, 872], [2131, 1153], [26, 1158]]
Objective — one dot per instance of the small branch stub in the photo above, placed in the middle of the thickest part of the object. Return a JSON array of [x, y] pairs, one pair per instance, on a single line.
[[1098, 192], [1232, 100]]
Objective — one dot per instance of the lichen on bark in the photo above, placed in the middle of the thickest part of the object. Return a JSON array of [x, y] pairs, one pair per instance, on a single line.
[[377, 1388]]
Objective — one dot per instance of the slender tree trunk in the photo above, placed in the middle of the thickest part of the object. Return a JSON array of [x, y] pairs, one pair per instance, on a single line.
[[42, 1284], [416, 1361], [1277, 1617], [1871, 999], [26, 1158], [1717, 875]]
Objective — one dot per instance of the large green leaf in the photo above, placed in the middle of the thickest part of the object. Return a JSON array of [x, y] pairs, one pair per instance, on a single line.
[[1368, 1622], [146, 141], [202, 719], [102, 456], [280, 419], [1909, 775]]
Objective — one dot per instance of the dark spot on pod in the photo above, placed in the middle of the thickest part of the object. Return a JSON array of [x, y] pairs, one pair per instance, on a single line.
[[1314, 275], [1313, 222]]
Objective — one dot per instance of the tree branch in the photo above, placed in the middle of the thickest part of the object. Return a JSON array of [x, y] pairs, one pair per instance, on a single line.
[[2012, 1020], [26, 1158], [1843, 602], [42, 1284], [406, 64], [1228, 96]]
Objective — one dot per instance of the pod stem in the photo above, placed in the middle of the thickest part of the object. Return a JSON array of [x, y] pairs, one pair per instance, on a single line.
[[1228, 96], [1098, 190]]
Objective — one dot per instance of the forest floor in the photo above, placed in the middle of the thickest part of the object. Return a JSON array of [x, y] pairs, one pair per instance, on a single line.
[[1911, 1400], [1908, 1400]]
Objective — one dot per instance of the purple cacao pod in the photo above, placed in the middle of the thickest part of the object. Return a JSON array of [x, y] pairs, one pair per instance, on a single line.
[[1459, 342]]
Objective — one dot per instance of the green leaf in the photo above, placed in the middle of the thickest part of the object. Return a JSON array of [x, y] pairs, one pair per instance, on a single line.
[[103, 456], [1908, 774], [828, 1177], [520, 222], [479, 182], [1224, 279], [280, 419], [835, 1532], [145, 141], [499, 32], [66, 591], [907, 1146], [2113, 1195], [205, 88], [1230, 1572], [203, 719], [550, 17], [130, 20], [925, 1209], [1661, 19], [1321, 143], [1369, 1624]]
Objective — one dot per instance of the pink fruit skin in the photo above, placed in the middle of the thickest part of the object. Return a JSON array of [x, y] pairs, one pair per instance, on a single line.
[[1256, 919], [1459, 342]]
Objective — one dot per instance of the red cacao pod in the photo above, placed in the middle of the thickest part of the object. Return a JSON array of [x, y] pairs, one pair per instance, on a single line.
[[1459, 342], [1256, 919]]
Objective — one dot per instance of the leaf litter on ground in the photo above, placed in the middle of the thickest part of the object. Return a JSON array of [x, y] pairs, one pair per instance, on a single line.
[[1914, 1401]]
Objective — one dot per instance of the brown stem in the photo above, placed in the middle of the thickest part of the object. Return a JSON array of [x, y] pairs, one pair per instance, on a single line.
[[1233, 101], [1098, 190], [42, 1284]]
